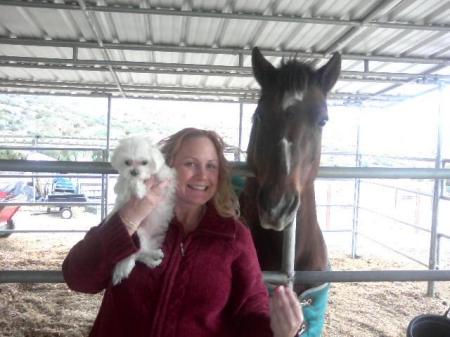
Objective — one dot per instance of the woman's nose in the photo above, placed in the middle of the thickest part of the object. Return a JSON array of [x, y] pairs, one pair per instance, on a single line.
[[201, 171]]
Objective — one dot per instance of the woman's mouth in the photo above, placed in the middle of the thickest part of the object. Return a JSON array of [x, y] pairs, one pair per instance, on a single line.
[[198, 187]]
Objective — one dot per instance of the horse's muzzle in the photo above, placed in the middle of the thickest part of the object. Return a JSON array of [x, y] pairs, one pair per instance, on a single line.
[[280, 214]]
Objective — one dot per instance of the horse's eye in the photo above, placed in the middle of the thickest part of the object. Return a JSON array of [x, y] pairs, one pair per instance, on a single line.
[[128, 162], [323, 121], [144, 162], [290, 111]]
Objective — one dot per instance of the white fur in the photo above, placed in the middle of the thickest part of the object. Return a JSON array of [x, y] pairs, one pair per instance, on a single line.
[[137, 159], [290, 98]]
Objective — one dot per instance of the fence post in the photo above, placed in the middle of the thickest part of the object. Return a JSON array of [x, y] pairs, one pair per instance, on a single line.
[[356, 191], [288, 257], [436, 197], [105, 177]]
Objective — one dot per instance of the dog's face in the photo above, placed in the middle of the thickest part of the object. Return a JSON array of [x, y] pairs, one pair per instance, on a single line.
[[137, 158]]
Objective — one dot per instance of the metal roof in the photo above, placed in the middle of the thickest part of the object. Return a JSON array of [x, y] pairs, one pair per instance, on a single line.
[[200, 49]]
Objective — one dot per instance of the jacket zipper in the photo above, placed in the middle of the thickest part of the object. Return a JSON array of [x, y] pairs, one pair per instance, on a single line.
[[182, 248]]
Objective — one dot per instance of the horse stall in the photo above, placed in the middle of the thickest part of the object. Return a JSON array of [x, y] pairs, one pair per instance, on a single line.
[[336, 115]]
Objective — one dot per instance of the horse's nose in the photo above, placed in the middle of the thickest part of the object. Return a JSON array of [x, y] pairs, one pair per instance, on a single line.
[[278, 207], [134, 172]]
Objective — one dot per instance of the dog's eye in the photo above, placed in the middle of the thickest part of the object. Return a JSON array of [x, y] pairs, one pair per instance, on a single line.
[[144, 162], [128, 162]]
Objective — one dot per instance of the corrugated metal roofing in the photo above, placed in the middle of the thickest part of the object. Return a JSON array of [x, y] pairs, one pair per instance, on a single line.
[[199, 49]]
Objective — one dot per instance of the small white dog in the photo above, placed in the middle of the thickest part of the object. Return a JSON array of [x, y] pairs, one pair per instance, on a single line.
[[137, 159]]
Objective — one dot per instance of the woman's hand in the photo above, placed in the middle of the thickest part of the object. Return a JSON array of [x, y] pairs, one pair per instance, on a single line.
[[136, 210], [286, 316]]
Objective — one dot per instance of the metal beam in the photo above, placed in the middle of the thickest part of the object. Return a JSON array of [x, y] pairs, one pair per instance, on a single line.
[[130, 9], [181, 93], [132, 96], [341, 42], [238, 168], [98, 35], [331, 102], [201, 70], [250, 94], [213, 50]]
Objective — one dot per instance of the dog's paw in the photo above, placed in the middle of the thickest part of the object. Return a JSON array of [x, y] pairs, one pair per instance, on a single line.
[[153, 259], [122, 270], [157, 256], [118, 276]]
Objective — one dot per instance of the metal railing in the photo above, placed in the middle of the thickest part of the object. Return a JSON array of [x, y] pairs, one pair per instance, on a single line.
[[239, 168]]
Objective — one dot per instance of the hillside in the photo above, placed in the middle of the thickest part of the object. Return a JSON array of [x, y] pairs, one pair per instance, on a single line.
[[83, 122], [26, 120]]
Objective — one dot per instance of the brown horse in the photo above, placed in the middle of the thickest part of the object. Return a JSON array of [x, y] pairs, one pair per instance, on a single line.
[[284, 154]]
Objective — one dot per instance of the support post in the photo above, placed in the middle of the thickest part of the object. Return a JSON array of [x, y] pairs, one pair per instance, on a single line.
[[356, 191], [105, 177], [241, 113], [436, 196]]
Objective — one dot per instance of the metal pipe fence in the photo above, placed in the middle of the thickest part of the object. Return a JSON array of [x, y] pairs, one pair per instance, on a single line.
[[104, 168]]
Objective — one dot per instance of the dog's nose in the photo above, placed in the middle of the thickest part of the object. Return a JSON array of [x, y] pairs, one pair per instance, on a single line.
[[134, 172]]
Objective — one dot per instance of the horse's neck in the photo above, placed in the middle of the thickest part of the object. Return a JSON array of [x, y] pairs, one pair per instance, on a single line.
[[310, 246]]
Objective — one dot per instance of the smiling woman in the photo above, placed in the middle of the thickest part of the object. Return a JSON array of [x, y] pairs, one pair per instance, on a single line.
[[209, 282]]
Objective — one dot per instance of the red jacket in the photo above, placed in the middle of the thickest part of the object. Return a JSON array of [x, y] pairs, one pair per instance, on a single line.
[[209, 283]]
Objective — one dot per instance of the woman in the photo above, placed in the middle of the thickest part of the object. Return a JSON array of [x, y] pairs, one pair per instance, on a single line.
[[209, 283]]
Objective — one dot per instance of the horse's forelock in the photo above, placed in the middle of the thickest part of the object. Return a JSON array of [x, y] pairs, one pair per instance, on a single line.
[[294, 76]]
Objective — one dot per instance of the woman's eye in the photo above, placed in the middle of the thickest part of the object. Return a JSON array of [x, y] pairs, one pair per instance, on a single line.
[[128, 162], [144, 162], [189, 164], [211, 166]]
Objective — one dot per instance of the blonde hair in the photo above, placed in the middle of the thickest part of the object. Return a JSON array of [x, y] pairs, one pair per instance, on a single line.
[[225, 200]]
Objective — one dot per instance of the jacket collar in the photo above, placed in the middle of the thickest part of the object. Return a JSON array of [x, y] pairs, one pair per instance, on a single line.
[[214, 224]]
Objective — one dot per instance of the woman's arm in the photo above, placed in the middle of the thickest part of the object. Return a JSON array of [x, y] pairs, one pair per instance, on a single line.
[[251, 300], [89, 265], [249, 296]]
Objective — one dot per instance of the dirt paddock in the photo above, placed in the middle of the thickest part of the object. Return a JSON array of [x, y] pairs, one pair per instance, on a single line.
[[50, 310]]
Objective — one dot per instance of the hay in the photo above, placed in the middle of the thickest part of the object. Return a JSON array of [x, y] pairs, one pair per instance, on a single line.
[[50, 310]]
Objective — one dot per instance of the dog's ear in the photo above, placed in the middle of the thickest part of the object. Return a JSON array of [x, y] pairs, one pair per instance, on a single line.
[[158, 158], [116, 156], [150, 141]]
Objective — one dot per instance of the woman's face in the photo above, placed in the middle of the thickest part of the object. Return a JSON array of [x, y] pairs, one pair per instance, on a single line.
[[197, 166]]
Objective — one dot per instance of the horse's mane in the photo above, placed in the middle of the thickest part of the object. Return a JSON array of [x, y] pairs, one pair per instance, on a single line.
[[294, 75]]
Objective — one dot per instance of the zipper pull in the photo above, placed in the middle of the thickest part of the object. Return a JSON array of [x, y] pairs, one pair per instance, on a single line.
[[182, 248]]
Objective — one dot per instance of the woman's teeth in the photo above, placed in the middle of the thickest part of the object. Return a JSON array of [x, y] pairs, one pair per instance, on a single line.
[[198, 187]]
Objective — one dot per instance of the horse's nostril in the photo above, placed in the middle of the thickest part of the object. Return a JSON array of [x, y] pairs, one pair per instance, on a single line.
[[294, 204]]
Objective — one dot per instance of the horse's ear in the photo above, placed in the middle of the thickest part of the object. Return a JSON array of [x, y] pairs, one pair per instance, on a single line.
[[263, 70], [329, 73]]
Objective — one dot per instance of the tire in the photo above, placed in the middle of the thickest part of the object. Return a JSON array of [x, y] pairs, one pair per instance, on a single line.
[[66, 213], [9, 225]]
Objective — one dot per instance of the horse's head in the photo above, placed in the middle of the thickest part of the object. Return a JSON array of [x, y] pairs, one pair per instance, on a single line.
[[285, 141]]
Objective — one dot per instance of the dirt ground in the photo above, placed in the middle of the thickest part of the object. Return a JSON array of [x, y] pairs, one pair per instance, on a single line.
[[50, 310]]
